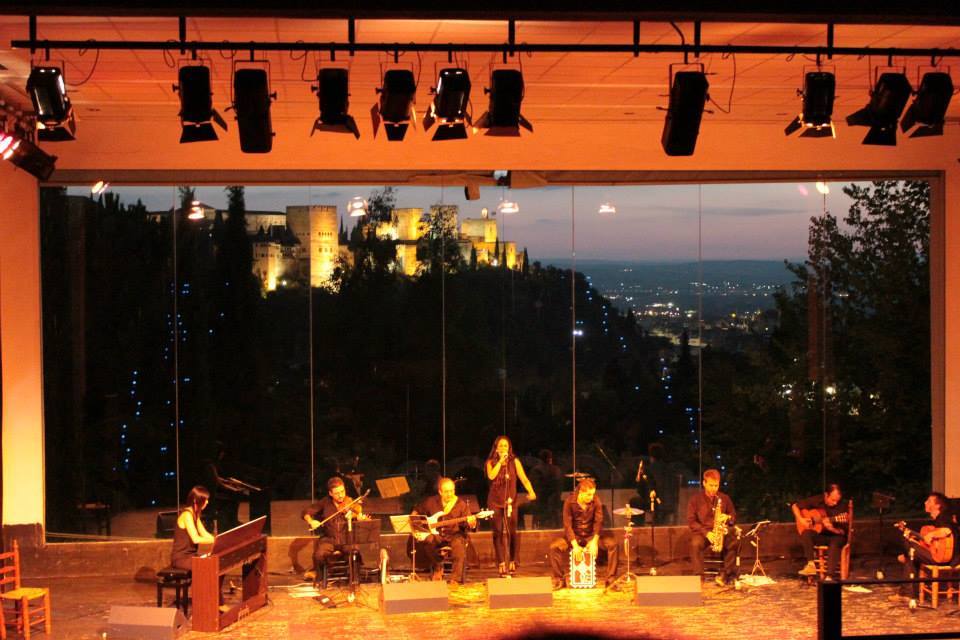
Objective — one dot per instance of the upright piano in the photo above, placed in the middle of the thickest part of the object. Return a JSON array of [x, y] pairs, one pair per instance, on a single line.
[[244, 548]]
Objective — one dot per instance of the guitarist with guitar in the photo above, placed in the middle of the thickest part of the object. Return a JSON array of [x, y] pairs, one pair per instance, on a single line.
[[935, 543], [446, 506], [821, 520]]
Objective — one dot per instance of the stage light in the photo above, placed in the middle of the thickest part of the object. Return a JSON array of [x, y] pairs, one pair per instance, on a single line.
[[357, 207], [196, 211], [395, 107], [449, 106], [508, 207], [688, 95], [607, 209], [197, 114], [503, 117], [332, 91], [48, 92], [930, 106], [251, 101], [819, 89], [887, 100], [99, 187], [22, 153], [823, 188]]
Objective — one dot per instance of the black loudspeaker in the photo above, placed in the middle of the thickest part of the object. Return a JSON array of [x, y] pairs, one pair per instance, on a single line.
[[146, 623], [414, 597], [251, 96], [668, 591], [506, 593], [688, 95]]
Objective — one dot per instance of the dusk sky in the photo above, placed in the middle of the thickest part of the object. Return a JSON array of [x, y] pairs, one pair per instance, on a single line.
[[742, 221]]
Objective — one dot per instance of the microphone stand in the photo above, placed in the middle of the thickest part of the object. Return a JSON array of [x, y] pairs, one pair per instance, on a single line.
[[652, 516], [613, 470]]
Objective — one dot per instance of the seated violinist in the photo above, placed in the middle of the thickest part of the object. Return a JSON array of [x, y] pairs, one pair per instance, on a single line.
[[331, 514], [935, 543]]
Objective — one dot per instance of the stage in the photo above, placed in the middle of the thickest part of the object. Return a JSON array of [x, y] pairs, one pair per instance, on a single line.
[[787, 609]]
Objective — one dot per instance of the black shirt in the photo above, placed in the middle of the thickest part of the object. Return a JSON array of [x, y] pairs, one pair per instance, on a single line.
[[504, 486], [700, 511], [336, 528], [579, 523], [817, 502], [432, 505]]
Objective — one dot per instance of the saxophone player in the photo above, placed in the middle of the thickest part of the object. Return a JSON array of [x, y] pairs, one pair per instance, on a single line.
[[710, 516]]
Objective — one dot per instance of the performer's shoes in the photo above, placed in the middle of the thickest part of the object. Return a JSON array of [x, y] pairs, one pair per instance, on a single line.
[[309, 574], [558, 584], [809, 569], [437, 574], [502, 569], [720, 580], [513, 567]]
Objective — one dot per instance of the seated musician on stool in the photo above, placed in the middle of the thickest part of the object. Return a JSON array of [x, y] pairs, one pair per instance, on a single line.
[[334, 533], [917, 553], [707, 524], [582, 523], [446, 503], [810, 513], [190, 532]]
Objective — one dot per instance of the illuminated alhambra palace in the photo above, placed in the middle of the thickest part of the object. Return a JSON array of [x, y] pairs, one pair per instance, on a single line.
[[287, 245]]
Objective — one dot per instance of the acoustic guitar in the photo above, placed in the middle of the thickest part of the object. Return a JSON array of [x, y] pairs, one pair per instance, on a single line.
[[937, 540], [819, 517]]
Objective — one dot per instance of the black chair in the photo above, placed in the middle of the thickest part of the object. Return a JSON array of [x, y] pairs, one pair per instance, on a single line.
[[179, 580]]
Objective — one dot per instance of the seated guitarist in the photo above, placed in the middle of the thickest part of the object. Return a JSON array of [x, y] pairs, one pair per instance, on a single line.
[[937, 543], [820, 522], [446, 503]]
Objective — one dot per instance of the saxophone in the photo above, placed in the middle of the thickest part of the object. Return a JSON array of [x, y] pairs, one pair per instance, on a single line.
[[719, 526]]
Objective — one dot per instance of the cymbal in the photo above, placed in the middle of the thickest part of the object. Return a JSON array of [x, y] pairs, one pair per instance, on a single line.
[[628, 511], [577, 474]]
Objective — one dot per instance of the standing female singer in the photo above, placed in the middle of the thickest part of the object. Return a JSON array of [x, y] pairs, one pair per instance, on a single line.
[[503, 469], [190, 532]]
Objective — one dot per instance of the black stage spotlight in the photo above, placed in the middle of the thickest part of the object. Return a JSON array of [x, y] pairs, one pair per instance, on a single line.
[[503, 117], [26, 155], [688, 95], [887, 101], [332, 91], [48, 92], [395, 107], [449, 106], [251, 101], [930, 106], [197, 114], [819, 88]]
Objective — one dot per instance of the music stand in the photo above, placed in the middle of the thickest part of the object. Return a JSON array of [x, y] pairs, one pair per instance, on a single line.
[[410, 525], [393, 487], [359, 532], [758, 577]]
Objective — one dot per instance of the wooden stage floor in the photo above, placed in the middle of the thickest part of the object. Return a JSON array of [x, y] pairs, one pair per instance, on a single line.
[[786, 609]]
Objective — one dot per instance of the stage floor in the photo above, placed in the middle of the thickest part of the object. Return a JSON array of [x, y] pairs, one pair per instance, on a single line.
[[787, 609]]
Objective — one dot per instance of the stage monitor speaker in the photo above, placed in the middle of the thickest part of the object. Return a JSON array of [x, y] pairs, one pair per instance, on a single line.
[[668, 591], [688, 95], [146, 623], [414, 597], [506, 593]]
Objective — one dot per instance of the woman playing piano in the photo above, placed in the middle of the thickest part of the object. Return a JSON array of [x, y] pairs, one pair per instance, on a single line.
[[190, 532]]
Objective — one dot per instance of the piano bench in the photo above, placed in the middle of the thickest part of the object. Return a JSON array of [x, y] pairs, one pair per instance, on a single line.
[[177, 579]]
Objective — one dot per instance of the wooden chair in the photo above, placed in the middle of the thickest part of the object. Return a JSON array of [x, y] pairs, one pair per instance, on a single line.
[[949, 589], [821, 551], [30, 605]]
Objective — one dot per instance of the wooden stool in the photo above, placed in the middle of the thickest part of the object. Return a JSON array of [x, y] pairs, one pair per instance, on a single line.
[[949, 589], [177, 579]]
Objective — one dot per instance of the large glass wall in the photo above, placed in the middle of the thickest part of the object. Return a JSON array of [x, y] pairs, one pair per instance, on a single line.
[[261, 340]]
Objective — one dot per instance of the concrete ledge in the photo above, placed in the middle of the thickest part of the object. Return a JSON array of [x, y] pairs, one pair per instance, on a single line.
[[141, 558]]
